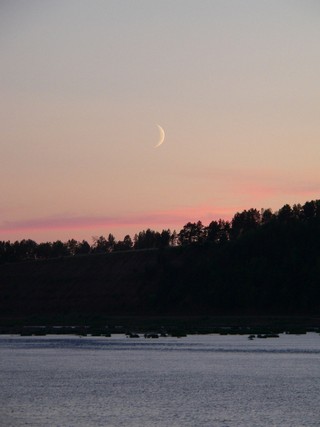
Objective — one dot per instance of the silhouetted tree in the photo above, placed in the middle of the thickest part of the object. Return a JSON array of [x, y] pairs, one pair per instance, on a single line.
[[164, 239], [213, 232], [146, 239], [174, 240], [7, 251], [83, 248], [244, 222], [192, 232], [72, 246], [44, 250], [100, 245], [225, 230], [59, 249], [127, 242], [111, 241], [285, 214], [124, 245], [311, 209], [266, 216]]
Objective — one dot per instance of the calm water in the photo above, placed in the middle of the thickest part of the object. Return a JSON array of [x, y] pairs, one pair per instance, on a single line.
[[194, 381]]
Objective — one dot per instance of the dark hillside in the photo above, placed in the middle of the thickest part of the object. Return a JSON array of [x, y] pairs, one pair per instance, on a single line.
[[112, 283], [260, 264], [273, 270]]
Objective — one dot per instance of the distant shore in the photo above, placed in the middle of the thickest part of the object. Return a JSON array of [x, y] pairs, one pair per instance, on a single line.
[[172, 325]]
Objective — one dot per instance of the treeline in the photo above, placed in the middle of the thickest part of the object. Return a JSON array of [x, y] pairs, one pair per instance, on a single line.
[[193, 233]]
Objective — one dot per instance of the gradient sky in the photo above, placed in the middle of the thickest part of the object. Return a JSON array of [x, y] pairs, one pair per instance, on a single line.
[[83, 84]]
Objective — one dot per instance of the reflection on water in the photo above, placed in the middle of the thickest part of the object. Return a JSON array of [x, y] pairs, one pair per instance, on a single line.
[[208, 380]]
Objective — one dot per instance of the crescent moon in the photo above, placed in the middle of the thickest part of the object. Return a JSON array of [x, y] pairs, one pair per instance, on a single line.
[[162, 135]]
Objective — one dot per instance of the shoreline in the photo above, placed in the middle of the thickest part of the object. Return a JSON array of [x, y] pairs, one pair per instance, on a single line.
[[99, 325]]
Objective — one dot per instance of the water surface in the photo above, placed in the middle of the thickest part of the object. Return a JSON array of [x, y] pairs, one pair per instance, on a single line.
[[209, 380]]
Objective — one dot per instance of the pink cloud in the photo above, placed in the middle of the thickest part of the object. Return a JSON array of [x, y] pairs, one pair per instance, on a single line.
[[263, 183], [247, 194], [165, 219], [263, 191]]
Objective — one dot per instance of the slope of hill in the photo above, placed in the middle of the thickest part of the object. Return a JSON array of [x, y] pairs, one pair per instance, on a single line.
[[274, 270]]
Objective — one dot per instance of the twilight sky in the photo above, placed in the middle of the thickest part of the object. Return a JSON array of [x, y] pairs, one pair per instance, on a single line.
[[83, 84]]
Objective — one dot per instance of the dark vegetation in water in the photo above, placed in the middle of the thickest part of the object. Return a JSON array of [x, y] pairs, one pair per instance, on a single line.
[[259, 264]]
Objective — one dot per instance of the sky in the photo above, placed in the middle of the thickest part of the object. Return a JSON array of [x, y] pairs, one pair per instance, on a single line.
[[84, 84]]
